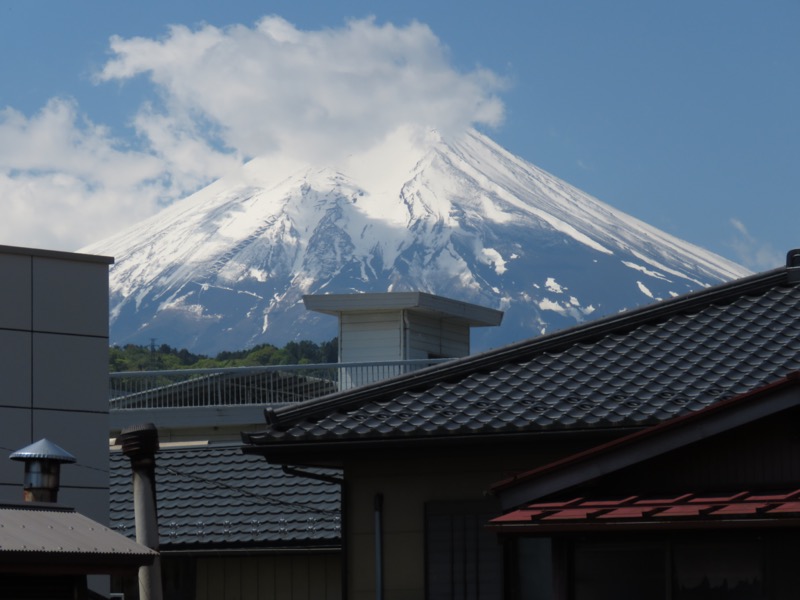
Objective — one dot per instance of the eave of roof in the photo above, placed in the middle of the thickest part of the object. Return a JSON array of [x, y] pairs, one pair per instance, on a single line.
[[447, 308], [48, 535], [647, 443], [636, 513], [313, 453]]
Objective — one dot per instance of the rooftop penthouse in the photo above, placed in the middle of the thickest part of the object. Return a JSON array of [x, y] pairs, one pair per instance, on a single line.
[[381, 336]]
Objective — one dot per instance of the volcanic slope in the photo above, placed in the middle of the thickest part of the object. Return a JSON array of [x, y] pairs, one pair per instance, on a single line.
[[226, 268]]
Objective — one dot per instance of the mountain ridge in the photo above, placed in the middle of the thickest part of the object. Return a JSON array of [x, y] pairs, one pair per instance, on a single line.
[[227, 267]]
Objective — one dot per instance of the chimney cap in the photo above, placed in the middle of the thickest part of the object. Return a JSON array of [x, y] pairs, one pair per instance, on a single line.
[[139, 441], [44, 449], [793, 258]]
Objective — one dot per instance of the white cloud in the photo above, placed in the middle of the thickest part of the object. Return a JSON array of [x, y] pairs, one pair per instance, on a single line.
[[226, 94], [752, 253], [64, 180], [553, 286], [57, 139], [309, 94]]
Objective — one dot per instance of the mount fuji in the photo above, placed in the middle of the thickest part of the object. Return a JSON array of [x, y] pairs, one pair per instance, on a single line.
[[226, 268]]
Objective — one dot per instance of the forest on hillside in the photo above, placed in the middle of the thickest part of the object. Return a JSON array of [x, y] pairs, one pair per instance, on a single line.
[[132, 357]]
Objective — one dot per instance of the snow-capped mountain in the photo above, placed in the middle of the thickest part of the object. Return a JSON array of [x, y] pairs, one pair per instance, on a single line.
[[226, 268]]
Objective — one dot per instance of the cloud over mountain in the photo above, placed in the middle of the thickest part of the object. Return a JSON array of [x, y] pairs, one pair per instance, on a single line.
[[221, 96], [273, 87]]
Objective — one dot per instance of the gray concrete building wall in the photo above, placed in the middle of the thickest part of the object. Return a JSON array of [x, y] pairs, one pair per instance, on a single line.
[[54, 369]]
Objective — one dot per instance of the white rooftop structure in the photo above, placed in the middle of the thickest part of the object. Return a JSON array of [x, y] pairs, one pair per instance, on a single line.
[[402, 325]]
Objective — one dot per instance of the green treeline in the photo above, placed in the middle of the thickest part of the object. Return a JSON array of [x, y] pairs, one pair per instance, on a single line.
[[164, 357]]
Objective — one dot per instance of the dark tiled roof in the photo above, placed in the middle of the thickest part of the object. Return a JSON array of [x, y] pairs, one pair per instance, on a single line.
[[214, 497], [648, 443], [630, 370]]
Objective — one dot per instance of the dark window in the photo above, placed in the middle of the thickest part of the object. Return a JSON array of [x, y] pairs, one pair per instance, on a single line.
[[535, 568], [620, 571], [41, 586], [463, 560], [670, 569], [705, 570]]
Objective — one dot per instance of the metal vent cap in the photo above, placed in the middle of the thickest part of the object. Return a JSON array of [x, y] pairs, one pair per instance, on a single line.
[[44, 449]]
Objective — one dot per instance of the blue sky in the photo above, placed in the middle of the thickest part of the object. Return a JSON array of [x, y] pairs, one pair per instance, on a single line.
[[684, 114]]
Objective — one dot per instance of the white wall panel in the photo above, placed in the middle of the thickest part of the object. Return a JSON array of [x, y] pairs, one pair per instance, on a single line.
[[371, 337], [430, 336]]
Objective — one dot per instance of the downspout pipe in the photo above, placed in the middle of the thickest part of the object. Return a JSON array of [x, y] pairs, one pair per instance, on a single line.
[[140, 444], [404, 344], [379, 546], [343, 518]]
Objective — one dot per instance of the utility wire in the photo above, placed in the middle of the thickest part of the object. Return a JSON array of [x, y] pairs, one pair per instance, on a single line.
[[77, 464], [246, 492]]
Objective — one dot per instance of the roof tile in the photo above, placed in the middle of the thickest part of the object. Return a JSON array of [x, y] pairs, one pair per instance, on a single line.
[[217, 496]]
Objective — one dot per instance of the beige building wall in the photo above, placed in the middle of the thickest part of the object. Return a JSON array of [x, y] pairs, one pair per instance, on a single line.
[[431, 337], [54, 369], [409, 482], [400, 335], [371, 336], [301, 576]]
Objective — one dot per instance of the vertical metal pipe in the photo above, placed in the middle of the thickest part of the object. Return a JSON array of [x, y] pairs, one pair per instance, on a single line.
[[379, 546], [140, 444]]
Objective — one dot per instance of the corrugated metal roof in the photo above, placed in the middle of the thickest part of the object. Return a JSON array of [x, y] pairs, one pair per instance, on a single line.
[[583, 514], [214, 496], [630, 370], [63, 532]]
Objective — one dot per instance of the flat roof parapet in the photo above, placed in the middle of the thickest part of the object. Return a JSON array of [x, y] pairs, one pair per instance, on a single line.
[[447, 308], [57, 254]]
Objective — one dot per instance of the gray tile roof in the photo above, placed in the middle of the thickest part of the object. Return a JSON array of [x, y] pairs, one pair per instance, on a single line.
[[215, 497], [629, 370]]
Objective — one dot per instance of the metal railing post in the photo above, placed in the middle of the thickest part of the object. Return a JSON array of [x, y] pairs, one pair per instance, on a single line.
[[249, 385]]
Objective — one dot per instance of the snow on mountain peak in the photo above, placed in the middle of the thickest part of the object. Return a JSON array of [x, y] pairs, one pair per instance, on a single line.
[[226, 268]]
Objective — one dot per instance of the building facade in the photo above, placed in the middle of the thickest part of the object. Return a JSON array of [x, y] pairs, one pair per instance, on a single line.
[[54, 348]]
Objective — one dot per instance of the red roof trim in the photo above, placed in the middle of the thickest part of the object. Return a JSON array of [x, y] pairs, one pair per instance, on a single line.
[[648, 511]]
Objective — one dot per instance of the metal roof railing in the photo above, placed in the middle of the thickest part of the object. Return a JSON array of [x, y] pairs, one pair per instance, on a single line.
[[243, 386]]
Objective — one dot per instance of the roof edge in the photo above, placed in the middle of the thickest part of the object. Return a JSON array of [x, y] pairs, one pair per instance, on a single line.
[[746, 406], [285, 417], [474, 315], [56, 254]]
